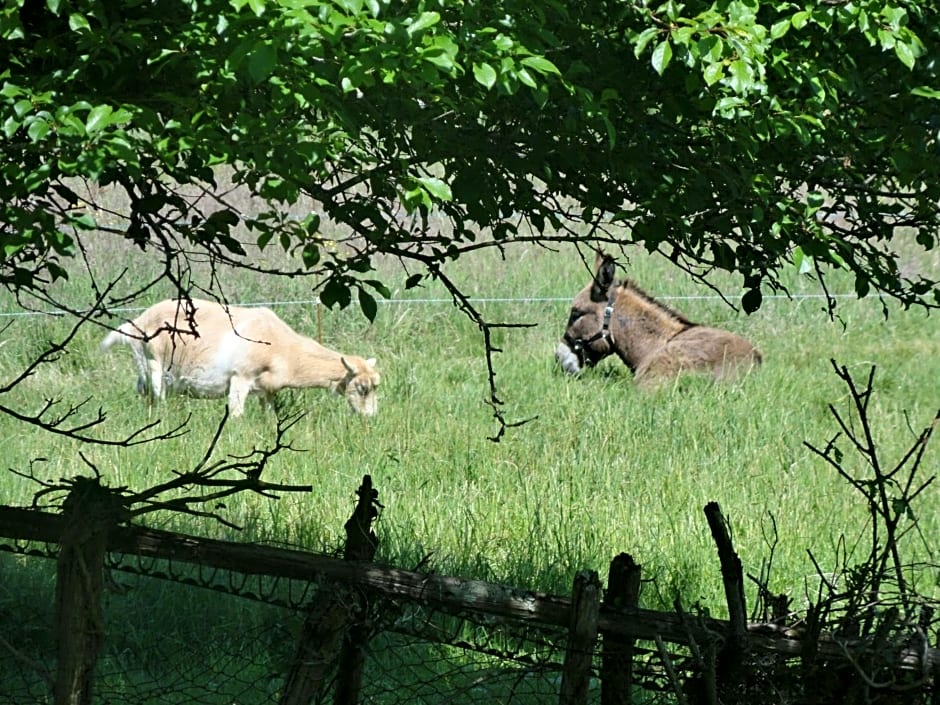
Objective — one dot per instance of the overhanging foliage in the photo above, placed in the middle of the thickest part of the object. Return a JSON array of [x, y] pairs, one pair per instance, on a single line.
[[734, 135]]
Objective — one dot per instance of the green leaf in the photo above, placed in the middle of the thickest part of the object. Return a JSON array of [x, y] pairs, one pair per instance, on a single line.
[[10, 90], [67, 194], [335, 292], [801, 261], [10, 127], [37, 129], [778, 29], [862, 286], [751, 300], [526, 78], [887, 38], [709, 48], [484, 74], [121, 116], [926, 92], [383, 290], [22, 107], [502, 43], [368, 304], [310, 255], [84, 221], [261, 61], [264, 238], [800, 19], [423, 21], [98, 119], [713, 73], [439, 57], [78, 23], [352, 7], [662, 54], [311, 224], [905, 54], [741, 77], [814, 201], [644, 38], [540, 64], [838, 260], [436, 187]]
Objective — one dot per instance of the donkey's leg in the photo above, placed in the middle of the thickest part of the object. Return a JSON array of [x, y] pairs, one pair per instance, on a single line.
[[658, 370]]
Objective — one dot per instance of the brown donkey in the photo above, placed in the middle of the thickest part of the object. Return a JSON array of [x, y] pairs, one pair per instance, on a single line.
[[655, 342]]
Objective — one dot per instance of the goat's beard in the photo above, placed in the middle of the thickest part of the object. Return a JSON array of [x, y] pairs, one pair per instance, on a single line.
[[567, 359]]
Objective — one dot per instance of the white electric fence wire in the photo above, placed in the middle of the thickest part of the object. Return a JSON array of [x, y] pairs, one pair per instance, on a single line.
[[472, 300]]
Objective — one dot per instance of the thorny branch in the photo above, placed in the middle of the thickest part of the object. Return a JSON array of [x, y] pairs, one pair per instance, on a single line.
[[56, 418], [889, 494], [224, 478]]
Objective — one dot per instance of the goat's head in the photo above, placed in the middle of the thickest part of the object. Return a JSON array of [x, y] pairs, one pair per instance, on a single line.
[[359, 384]]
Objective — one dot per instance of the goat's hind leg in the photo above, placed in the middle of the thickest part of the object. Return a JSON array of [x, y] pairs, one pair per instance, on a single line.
[[157, 388]]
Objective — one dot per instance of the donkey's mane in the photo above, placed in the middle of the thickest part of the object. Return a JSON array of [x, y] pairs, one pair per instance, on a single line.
[[632, 286]]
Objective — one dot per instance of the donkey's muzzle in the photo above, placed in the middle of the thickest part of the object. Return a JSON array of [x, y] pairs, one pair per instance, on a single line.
[[568, 359]]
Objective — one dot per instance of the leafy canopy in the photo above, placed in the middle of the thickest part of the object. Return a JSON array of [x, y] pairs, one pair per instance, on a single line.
[[733, 134]]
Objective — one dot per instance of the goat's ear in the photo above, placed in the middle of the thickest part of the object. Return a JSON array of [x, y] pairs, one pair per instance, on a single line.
[[371, 362], [603, 277]]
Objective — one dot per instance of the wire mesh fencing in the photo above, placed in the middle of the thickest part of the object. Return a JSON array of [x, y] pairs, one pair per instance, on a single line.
[[168, 618]]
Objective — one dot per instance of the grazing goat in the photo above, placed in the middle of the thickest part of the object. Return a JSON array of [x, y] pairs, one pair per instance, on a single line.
[[655, 342], [211, 350]]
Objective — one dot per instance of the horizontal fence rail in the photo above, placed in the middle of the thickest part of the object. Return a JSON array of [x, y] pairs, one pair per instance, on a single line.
[[586, 617]]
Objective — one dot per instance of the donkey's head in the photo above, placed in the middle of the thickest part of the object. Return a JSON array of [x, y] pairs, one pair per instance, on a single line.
[[587, 339]]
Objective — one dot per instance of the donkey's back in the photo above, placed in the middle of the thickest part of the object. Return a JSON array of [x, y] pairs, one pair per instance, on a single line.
[[699, 348]]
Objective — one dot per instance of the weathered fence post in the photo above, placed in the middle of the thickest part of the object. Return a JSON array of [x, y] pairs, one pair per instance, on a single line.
[[623, 593], [361, 544], [582, 637], [332, 613], [89, 511], [732, 671]]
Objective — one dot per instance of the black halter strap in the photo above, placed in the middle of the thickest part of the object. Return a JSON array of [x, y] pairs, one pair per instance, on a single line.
[[578, 345]]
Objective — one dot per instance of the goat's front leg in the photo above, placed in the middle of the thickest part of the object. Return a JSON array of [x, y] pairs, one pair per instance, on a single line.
[[238, 389]]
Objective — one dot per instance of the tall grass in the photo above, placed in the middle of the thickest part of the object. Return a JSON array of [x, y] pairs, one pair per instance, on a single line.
[[599, 468]]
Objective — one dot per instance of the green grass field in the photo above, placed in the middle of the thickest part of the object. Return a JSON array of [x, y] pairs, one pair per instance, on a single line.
[[600, 468]]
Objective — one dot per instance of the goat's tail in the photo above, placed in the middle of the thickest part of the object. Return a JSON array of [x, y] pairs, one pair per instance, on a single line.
[[123, 334]]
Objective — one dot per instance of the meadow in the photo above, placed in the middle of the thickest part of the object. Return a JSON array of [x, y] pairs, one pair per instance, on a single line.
[[599, 468]]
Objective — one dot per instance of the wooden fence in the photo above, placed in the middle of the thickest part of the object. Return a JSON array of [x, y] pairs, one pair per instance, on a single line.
[[604, 626]]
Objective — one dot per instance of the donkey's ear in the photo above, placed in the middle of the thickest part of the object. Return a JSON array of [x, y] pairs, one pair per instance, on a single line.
[[603, 277]]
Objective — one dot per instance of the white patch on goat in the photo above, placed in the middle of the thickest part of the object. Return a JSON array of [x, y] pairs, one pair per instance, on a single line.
[[208, 380]]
